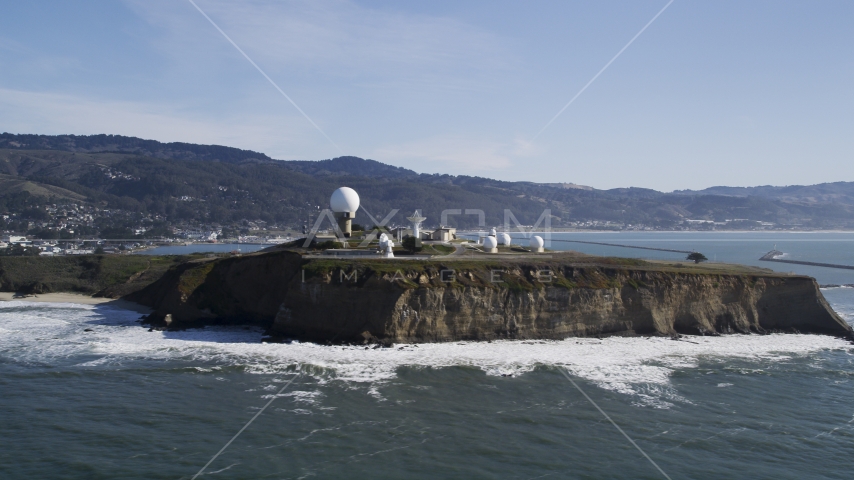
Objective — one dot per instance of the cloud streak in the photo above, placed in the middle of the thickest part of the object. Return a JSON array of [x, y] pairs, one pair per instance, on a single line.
[[51, 113]]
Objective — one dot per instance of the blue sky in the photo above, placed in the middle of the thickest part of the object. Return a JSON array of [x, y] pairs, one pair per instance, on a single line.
[[712, 93]]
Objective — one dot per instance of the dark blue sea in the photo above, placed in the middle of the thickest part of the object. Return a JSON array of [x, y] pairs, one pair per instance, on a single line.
[[122, 402]]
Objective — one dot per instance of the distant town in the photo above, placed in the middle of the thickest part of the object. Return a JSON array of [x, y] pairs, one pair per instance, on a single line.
[[67, 194], [79, 229]]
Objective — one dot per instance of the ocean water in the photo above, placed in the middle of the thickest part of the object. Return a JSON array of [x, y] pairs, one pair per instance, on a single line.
[[738, 247], [118, 401]]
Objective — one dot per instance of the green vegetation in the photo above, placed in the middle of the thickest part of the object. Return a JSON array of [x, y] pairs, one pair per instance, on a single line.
[[183, 182], [568, 270], [194, 276], [325, 245], [696, 257], [19, 251], [189, 189], [119, 275], [105, 275], [436, 249], [14, 187], [411, 244]]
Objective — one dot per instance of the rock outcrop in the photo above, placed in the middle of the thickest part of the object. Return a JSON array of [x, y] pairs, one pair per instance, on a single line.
[[405, 301]]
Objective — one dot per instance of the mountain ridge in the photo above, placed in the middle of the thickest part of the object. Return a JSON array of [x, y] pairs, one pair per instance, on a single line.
[[182, 182], [351, 165]]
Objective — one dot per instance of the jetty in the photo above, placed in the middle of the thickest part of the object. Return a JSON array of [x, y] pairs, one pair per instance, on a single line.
[[773, 256], [626, 246], [609, 245]]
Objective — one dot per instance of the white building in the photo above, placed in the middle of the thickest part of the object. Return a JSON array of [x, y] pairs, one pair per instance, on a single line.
[[11, 239], [444, 234]]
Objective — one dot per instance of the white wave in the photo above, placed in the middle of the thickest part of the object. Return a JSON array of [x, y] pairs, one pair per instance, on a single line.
[[842, 301], [304, 396], [640, 367]]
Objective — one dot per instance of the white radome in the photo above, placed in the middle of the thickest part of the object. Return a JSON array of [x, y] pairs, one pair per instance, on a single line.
[[537, 242], [505, 239], [345, 199], [490, 242]]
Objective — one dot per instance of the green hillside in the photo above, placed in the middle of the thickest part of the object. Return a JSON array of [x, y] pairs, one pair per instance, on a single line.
[[10, 185], [179, 182]]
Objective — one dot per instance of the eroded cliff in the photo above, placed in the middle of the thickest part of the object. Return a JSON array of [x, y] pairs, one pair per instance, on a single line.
[[410, 301]]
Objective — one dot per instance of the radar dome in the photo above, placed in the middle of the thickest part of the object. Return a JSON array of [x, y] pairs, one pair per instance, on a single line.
[[490, 242], [345, 199], [505, 239], [537, 242]]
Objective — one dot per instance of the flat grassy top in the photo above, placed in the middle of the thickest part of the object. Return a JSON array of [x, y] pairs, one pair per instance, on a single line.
[[713, 268], [115, 276], [498, 261], [107, 275], [519, 272], [435, 249]]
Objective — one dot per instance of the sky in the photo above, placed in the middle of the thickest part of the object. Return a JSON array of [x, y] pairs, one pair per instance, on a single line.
[[711, 93]]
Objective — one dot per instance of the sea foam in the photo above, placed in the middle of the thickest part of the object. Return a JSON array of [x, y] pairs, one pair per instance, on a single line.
[[47, 334]]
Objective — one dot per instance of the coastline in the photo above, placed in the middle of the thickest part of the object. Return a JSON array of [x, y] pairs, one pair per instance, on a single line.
[[77, 298]]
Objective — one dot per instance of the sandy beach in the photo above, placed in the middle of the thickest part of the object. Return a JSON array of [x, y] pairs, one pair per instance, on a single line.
[[73, 298]]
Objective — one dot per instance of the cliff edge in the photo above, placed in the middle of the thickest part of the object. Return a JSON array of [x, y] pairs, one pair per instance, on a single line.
[[564, 295]]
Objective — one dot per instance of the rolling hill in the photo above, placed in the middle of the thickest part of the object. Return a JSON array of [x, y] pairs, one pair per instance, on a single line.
[[184, 182]]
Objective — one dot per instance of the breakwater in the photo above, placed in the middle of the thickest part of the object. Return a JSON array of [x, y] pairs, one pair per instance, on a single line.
[[657, 249], [773, 254], [625, 246]]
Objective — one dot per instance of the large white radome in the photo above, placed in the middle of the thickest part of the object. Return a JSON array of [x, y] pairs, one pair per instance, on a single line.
[[490, 242], [537, 242], [345, 199]]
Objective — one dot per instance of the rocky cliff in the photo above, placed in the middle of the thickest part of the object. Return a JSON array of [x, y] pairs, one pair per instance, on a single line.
[[410, 301]]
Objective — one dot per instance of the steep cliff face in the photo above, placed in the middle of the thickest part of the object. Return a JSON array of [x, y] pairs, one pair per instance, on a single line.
[[334, 301], [631, 303], [246, 289]]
